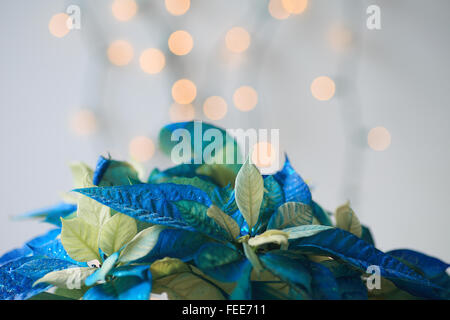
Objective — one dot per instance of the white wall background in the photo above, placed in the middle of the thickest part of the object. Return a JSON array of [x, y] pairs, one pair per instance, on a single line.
[[396, 77]]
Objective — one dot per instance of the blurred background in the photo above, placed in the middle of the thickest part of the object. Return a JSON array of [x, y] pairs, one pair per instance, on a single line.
[[363, 113]]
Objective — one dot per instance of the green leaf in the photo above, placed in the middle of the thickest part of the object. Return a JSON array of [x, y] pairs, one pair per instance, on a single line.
[[48, 296], [72, 278], [116, 233], [253, 258], [346, 219], [305, 231], [93, 212], [167, 266], [270, 236], [81, 174], [222, 174], [249, 193], [291, 214], [186, 286], [80, 239], [225, 221], [141, 244], [74, 294]]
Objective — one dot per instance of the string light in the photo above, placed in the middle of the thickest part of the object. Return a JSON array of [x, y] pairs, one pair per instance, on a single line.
[[323, 88], [184, 91], [152, 61], [59, 25], [295, 6], [180, 43], [245, 98], [177, 7], [277, 10], [215, 108], [237, 39], [263, 154], [83, 123], [379, 138], [120, 53], [181, 112], [141, 149], [124, 10]]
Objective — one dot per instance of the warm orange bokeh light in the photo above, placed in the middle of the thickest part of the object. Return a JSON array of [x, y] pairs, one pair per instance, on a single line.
[[295, 6], [237, 39], [177, 7], [124, 10], [141, 149], [245, 98], [83, 123], [323, 88], [152, 61], [340, 37], [184, 91], [379, 138], [277, 10], [120, 53], [181, 112], [180, 43], [263, 154], [215, 108], [59, 25]]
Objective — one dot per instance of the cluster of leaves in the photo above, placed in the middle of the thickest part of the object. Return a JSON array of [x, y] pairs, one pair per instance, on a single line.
[[209, 231]]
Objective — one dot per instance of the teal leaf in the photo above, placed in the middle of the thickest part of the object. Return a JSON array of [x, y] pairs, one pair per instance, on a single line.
[[294, 188], [196, 215], [272, 199], [243, 289], [367, 235], [124, 288], [348, 248], [321, 215], [290, 269], [220, 262], [152, 203], [176, 243], [291, 214], [249, 192], [101, 273], [17, 277], [52, 214], [114, 173]]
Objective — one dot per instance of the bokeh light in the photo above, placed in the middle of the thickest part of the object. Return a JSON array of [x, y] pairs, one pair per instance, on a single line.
[[379, 138], [124, 10], [215, 108], [295, 6], [177, 7], [340, 37], [181, 112], [59, 25], [184, 91], [180, 42], [141, 148], [277, 10], [83, 123], [152, 61], [245, 98], [323, 88], [263, 154], [120, 53], [237, 39]]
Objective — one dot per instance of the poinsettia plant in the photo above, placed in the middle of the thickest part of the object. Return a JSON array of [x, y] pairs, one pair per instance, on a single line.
[[207, 231]]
